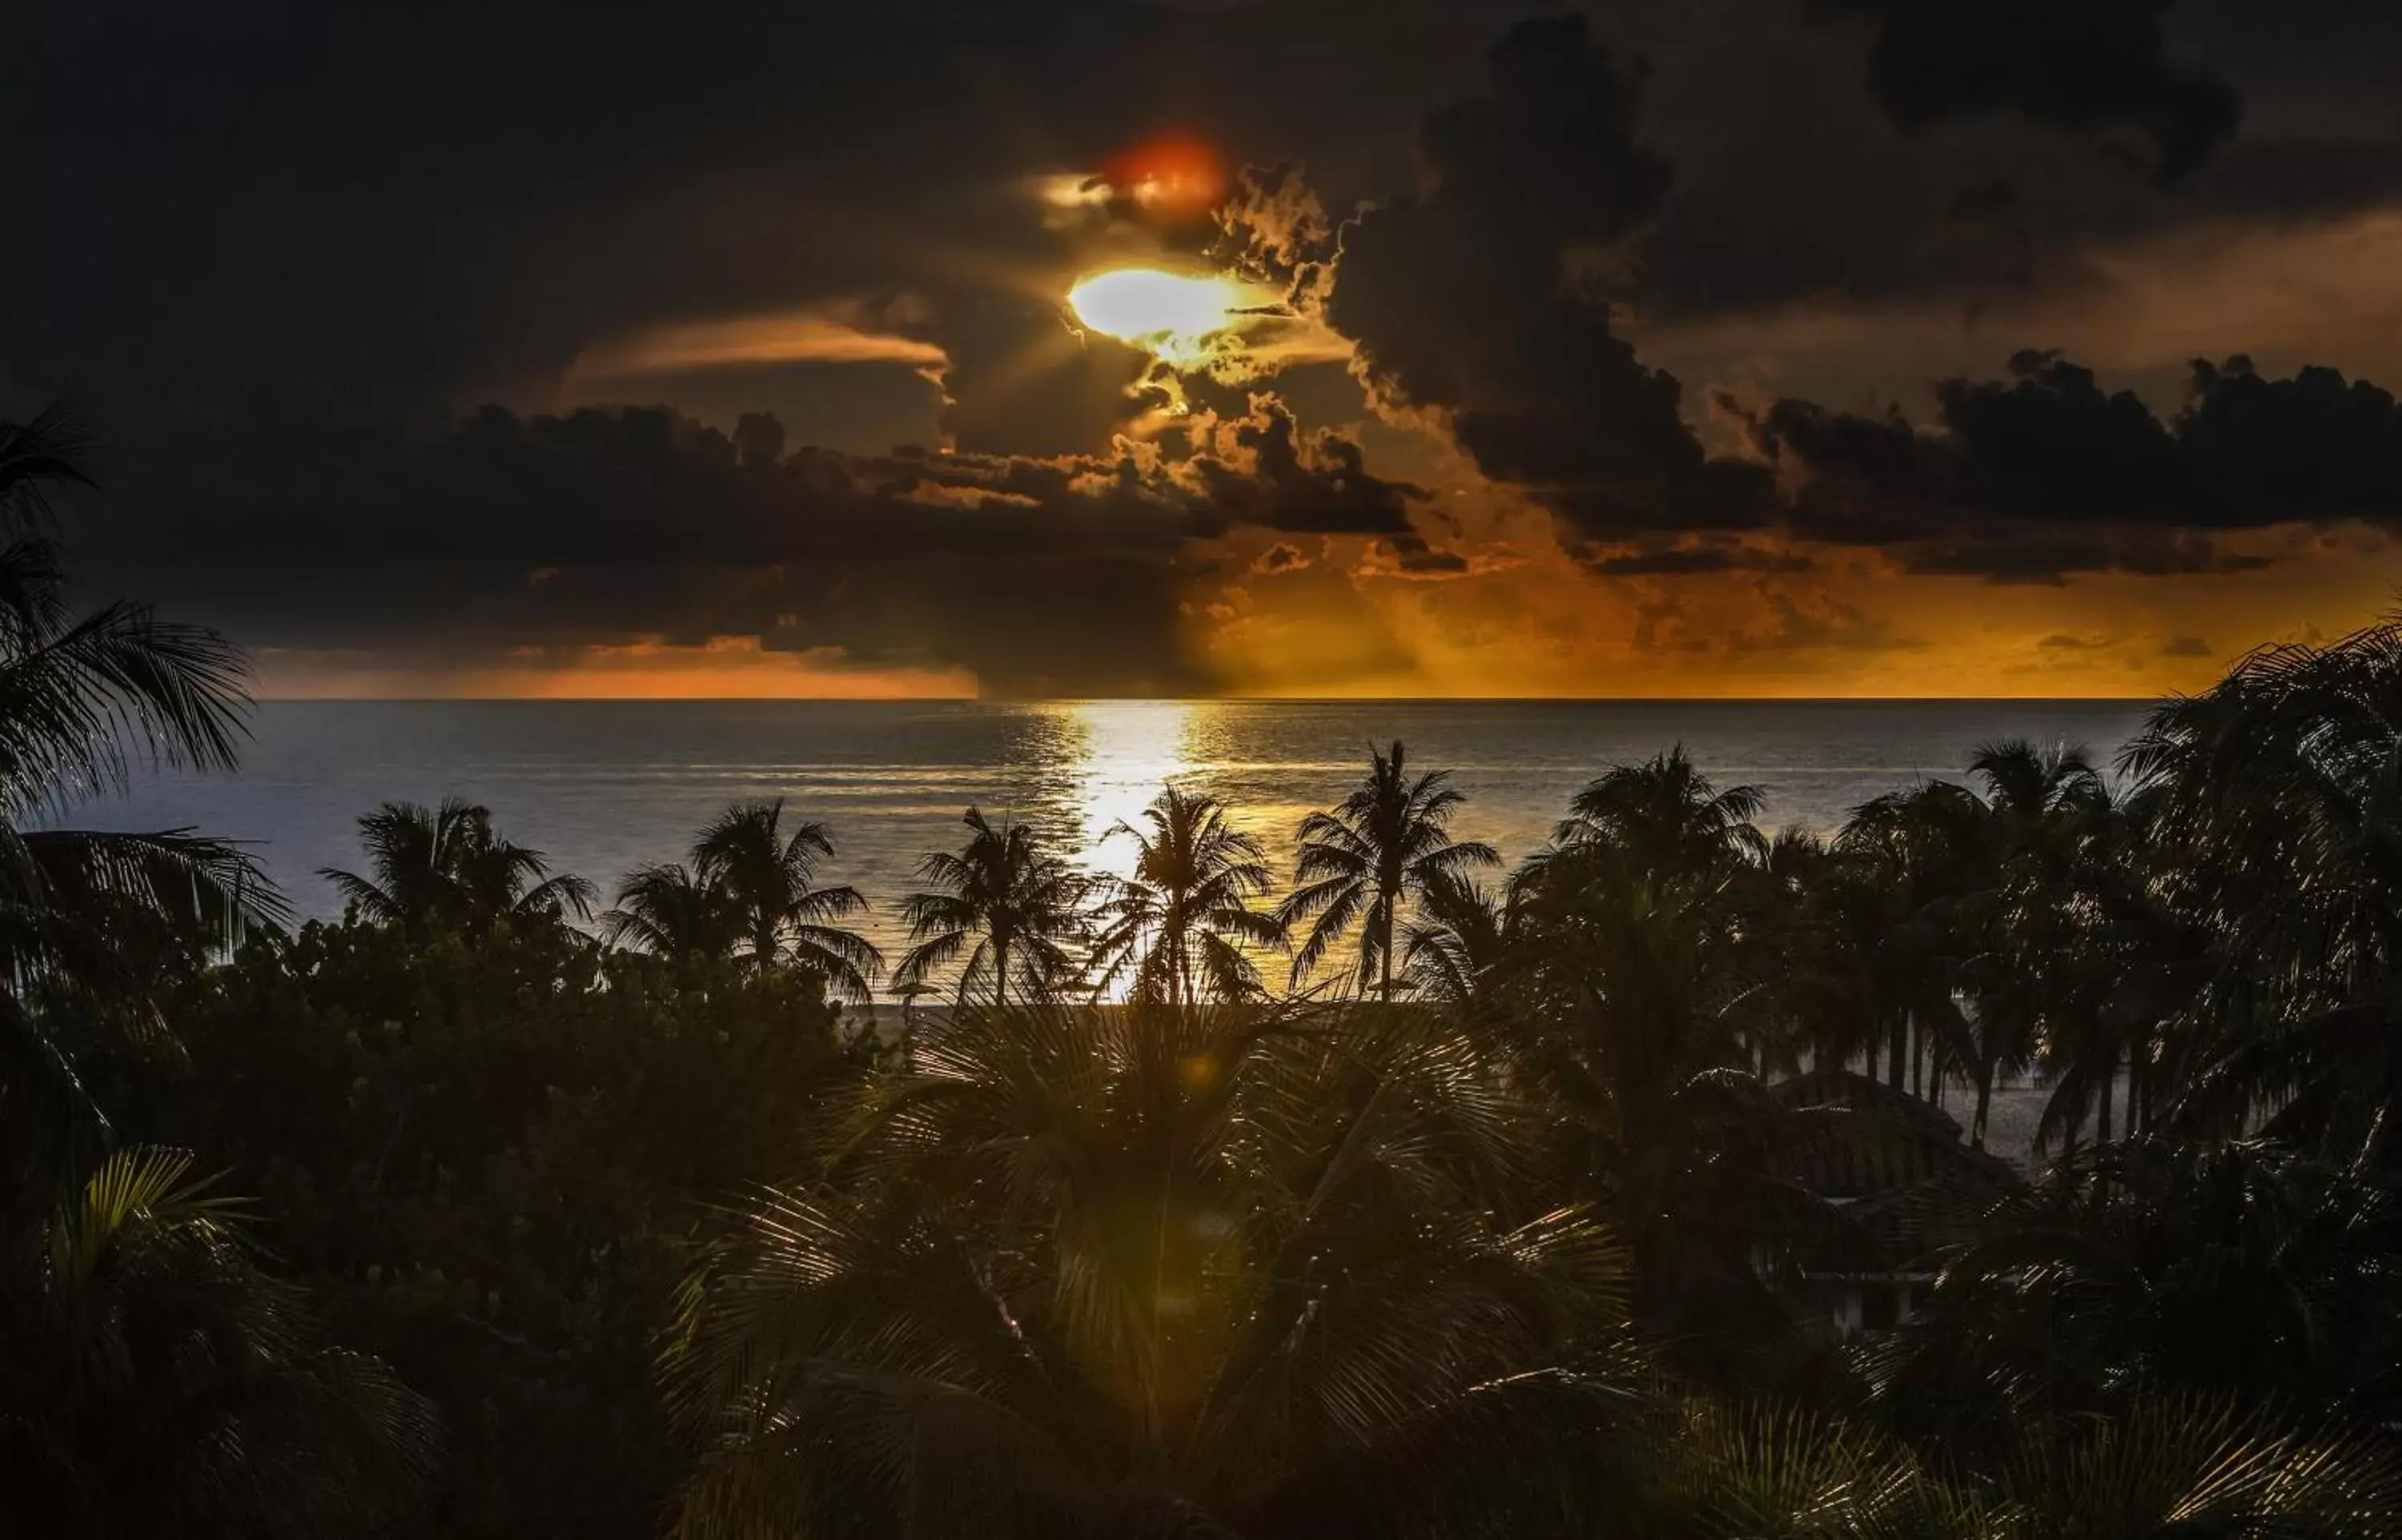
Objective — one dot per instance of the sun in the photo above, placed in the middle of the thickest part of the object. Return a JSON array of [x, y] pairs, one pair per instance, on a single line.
[[1171, 314]]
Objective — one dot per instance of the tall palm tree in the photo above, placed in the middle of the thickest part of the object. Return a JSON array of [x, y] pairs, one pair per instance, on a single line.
[[90, 913], [666, 909], [2272, 805], [1184, 920], [158, 1382], [2039, 972], [770, 877], [1382, 846], [1149, 1269], [1906, 897], [446, 868], [1010, 905], [1634, 1006]]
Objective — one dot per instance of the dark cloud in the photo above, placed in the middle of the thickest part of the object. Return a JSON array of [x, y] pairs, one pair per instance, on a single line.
[[1302, 483], [1691, 561], [2046, 474], [2185, 647], [1411, 556], [1467, 297], [1057, 575], [1774, 136], [2088, 67], [2049, 448], [2049, 558]]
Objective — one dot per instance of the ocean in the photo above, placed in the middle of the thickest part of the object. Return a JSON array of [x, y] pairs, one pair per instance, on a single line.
[[601, 787]]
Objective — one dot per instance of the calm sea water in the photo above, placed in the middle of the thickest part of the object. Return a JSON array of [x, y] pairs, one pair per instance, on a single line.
[[603, 786]]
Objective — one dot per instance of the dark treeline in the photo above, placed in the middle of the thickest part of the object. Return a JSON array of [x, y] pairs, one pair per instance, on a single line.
[[1641, 1191]]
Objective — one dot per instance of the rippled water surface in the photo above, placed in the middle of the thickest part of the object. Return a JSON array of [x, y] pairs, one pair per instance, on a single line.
[[601, 786]]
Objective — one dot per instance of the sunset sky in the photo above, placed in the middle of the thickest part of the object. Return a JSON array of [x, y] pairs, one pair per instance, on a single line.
[[1404, 347]]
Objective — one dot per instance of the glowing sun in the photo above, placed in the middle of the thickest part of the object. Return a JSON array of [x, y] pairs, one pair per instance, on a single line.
[[1169, 313]]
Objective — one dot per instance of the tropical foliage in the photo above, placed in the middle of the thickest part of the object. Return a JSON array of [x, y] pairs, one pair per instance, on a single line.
[[1231, 1270]]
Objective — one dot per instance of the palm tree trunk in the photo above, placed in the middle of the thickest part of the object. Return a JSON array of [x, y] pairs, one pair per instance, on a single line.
[[1894, 1049], [1918, 1064], [2109, 1084], [1984, 1106], [1384, 930], [999, 973]]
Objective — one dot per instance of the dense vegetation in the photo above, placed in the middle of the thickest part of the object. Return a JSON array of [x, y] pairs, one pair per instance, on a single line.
[[1609, 1195]]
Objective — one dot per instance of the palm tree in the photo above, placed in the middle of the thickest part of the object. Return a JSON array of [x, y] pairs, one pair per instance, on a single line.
[[2273, 807], [95, 916], [1152, 1268], [1185, 918], [160, 1382], [1453, 947], [2171, 1465], [1906, 898], [770, 877], [2240, 1270], [1004, 901], [2043, 970], [1665, 816], [665, 909], [1383, 846], [1634, 1004], [446, 868]]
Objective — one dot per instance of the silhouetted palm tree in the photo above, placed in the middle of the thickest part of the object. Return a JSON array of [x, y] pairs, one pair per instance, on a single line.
[[665, 910], [89, 914], [158, 1382], [1455, 945], [1664, 816], [1358, 865], [1906, 900], [2273, 807], [769, 875], [1012, 908], [1184, 920], [446, 868], [2037, 970]]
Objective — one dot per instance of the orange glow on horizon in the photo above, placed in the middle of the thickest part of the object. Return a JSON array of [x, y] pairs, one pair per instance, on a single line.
[[722, 668]]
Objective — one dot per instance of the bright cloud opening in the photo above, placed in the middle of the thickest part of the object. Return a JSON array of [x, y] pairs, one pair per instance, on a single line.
[[1171, 314]]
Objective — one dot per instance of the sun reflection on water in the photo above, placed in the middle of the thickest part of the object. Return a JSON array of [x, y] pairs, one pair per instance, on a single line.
[[1129, 750]]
